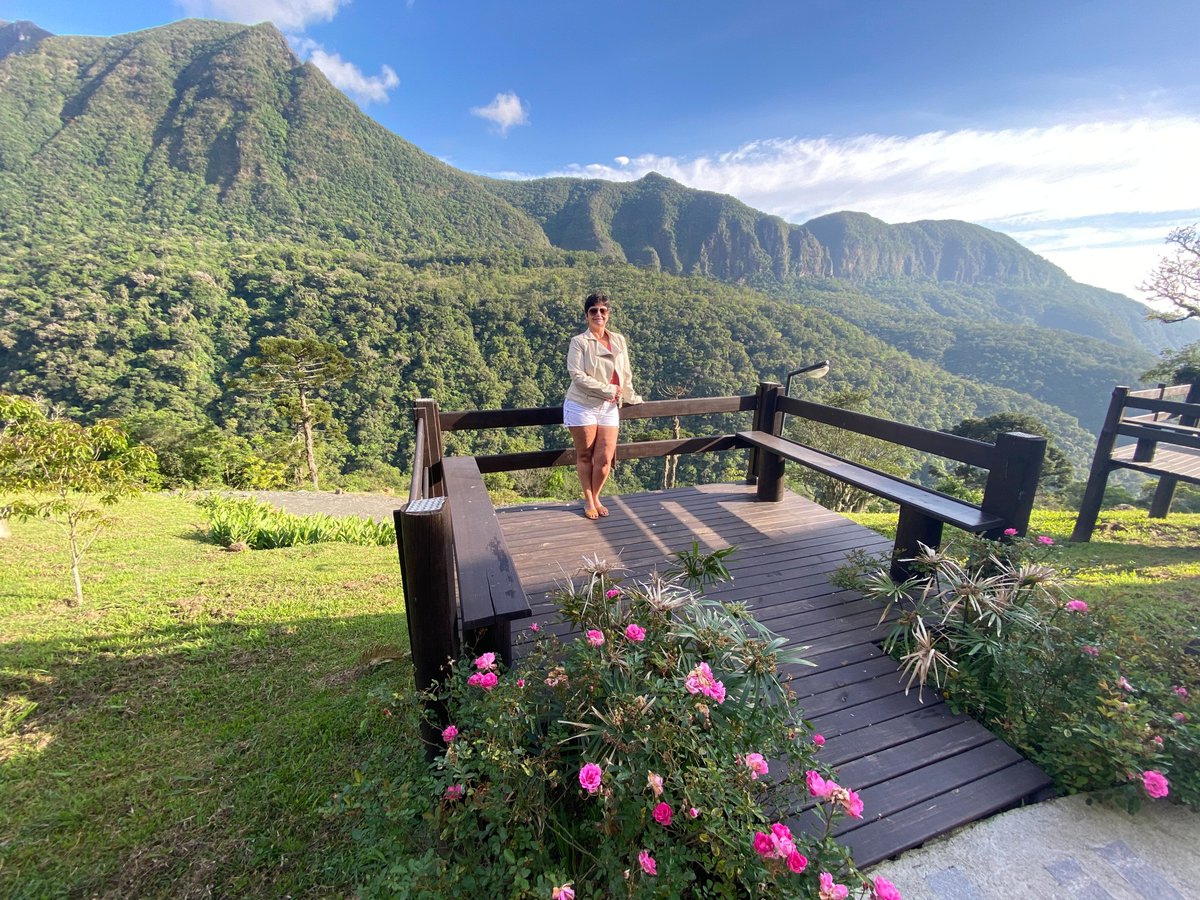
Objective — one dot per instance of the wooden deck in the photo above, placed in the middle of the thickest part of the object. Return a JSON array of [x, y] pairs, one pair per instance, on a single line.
[[921, 771], [1181, 462]]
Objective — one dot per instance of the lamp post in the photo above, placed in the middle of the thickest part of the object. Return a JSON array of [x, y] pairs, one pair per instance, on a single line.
[[813, 370]]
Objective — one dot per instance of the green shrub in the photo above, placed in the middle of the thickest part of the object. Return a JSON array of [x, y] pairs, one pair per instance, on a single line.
[[1096, 696], [630, 761], [261, 526]]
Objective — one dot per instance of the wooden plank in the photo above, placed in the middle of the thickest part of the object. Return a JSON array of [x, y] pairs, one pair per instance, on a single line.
[[944, 812], [1178, 436], [489, 588], [900, 792], [939, 443], [934, 504], [1180, 462]]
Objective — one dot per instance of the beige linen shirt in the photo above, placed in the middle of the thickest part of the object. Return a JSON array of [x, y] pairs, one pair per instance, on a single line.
[[591, 365]]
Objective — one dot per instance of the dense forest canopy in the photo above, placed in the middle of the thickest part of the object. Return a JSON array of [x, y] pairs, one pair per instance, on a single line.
[[171, 198]]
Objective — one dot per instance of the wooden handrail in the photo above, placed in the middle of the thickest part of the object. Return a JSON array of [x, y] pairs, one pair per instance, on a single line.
[[1173, 407], [939, 443], [416, 488], [474, 419], [1175, 390]]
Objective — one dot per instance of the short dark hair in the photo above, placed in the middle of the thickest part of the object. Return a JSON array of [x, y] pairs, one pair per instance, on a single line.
[[599, 298]]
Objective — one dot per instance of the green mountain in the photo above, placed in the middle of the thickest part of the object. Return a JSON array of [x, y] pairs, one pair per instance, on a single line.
[[984, 275], [170, 197], [218, 131]]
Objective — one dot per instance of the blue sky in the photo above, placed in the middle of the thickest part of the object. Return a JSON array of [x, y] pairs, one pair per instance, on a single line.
[[1072, 126]]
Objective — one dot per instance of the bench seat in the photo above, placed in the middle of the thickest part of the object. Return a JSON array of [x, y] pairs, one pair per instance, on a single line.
[[931, 503], [489, 591]]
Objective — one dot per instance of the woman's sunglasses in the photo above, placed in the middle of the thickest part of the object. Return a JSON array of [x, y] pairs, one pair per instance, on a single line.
[[598, 311]]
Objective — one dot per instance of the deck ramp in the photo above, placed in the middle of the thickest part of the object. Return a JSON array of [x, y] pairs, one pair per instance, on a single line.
[[921, 770]]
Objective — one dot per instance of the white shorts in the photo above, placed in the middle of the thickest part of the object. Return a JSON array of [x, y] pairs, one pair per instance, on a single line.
[[603, 413]]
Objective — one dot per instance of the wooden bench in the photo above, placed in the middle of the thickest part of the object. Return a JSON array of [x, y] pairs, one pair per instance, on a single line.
[[1168, 416], [923, 511], [490, 595]]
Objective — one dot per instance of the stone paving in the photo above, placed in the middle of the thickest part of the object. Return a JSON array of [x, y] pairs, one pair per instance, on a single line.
[[1063, 848]]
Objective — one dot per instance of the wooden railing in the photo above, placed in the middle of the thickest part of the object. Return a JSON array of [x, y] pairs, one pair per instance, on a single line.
[[427, 535]]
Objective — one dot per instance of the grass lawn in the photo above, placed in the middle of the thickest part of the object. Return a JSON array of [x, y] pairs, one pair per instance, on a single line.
[[178, 733]]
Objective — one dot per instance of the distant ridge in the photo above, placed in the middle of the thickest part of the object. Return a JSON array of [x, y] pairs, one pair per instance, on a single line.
[[20, 37]]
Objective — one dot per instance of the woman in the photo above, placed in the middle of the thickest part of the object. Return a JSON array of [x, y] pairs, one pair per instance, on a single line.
[[601, 380]]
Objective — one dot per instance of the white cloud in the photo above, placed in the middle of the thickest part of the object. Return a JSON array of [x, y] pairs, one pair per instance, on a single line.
[[621, 160], [289, 15], [505, 110], [1016, 181], [346, 76]]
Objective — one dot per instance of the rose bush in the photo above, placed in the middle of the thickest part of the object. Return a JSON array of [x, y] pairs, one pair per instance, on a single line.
[[645, 747]]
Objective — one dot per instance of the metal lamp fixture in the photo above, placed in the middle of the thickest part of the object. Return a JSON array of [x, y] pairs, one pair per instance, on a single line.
[[814, 370]]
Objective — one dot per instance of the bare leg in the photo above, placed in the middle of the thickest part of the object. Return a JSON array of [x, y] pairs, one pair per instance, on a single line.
[[603, 452], [584, 437]]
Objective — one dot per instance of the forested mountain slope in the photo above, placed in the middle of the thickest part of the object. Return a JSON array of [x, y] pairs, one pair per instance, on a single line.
[[217, 130], [951, 269]]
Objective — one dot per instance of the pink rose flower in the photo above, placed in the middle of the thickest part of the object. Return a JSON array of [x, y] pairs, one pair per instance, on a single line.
[[1090, 650], [589, 777], [654, 782], [831, 891], [819, 740], [763, 845], [454, 792], [520, 682], [851, 803], [702, 681], [693, 812], [1155, 783], [1157, 739], [1077, 606], [1010, 532], [818, 786], [1043, 539], [485, 662], [566, 892], [797, 861], [1123, 684], [1180, 691], [662, 814], [635, 632], [595, 637], [534, 626], [613, 593], [488, 680], [756, 764], [475, 679], [649, 866], [1180, 717], [885, 890], [449, 733]]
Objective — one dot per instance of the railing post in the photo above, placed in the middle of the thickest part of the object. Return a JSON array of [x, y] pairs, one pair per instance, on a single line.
[[1093, 494], [768, 466], [1013, 479], [423, 536], [1164, 492], [427, 409]]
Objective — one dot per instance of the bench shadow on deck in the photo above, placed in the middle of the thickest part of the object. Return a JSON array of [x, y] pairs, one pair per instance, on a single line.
[[920, 770]]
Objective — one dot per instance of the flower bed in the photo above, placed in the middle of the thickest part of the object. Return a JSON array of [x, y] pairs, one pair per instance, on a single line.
[[655, 754], [1098, 698]]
